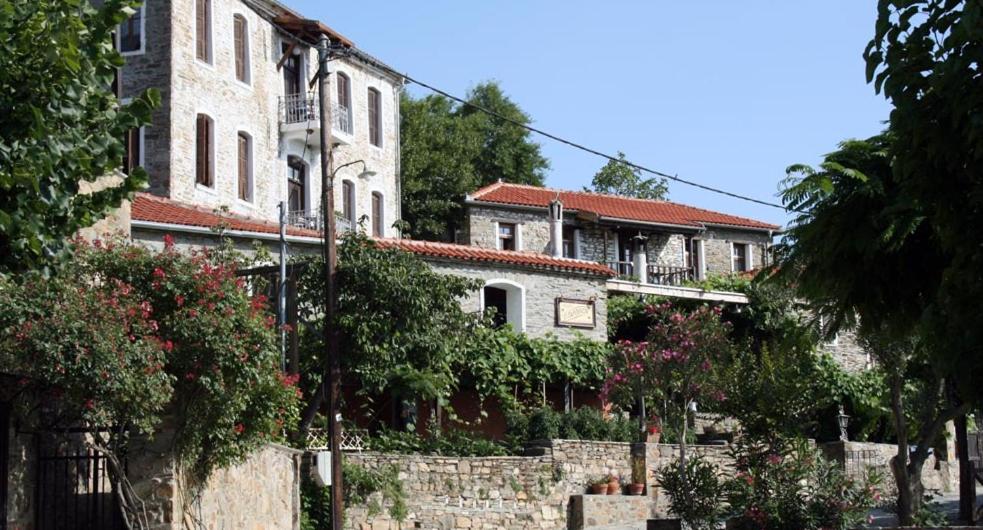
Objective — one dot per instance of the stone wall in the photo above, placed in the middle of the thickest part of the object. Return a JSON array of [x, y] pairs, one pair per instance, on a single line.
[[544, 490], [858, 458], [533, 227], [189, 87], [847, 352], [717, 251], [22, 471], [541, 288]]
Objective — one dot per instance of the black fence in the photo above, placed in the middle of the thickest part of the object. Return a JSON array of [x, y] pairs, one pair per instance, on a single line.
[[74, 491]]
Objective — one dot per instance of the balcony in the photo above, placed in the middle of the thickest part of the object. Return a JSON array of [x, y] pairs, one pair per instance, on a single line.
[[315, 221], [664, 280], [666, 275], [299, 116]]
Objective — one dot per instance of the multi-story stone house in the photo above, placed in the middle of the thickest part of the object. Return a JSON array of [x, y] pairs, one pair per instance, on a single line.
[[238, 127]]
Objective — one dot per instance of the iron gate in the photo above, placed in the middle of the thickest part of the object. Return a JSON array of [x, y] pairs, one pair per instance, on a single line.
[[73, 487]]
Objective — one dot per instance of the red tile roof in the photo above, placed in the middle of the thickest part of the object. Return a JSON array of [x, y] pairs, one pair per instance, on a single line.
[[485, 255], [147, 207], [643, 210]]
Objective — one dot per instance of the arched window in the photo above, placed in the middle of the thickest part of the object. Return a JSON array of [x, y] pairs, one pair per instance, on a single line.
[[241, 47], [348, 201], [204, 151], [296, 184], [508, 299], [378, 221]]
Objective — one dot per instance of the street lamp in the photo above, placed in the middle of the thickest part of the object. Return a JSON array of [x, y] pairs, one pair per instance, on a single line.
[[366, 173], [844, 421]]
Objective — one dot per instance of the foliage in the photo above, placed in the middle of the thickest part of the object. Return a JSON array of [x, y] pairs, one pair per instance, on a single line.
[[925, 59], [676, 365], [731, 283], [583, 423], [696, 493], [360, 484], [453, 442], [61, 129], [449, 150], [791, 486], [619, 178]]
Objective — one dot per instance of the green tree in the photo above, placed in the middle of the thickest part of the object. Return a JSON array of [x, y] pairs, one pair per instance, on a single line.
[[618, 178], [60, 125], [861, 250], [449, 150]]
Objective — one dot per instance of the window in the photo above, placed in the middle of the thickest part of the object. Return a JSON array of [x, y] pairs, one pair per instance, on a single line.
[[293, 80], [739, 257], [692, 254], [348, 201], [241, 37], [497, 299], [377, 218], [133, 144], [204, 150], [375, 117], [344, 91], [203, 30], [569, 242], [508, 300], [244, 172], [506, 236], [131, 34], [296, 184]]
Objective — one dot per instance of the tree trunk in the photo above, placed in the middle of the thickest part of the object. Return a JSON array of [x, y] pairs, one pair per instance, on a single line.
[[899, 464], [682, 444], [967, 484]]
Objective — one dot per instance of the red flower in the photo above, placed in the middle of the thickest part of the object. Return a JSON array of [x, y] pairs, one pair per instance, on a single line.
[[239, 428], [90, 404], [159, 273], [179, 300], [168, 241]]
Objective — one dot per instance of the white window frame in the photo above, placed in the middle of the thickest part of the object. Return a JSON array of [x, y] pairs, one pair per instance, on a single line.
[[248, 45], [513, 305], [517, 237], [141, 140], [747, 257], [250, 164], [352, 198], [143, 35]]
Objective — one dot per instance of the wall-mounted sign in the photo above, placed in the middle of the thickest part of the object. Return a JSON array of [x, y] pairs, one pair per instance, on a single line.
[[575, 313]]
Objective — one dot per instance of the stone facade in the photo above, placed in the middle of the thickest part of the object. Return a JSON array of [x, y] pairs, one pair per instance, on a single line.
[[600, 243], [190, 87], [540, 289], [847, 352]]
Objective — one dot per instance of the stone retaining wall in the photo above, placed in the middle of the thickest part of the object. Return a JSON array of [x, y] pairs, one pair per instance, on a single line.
[[858, 458]]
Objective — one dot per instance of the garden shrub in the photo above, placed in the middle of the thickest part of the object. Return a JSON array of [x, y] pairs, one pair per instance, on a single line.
[[453, 442], [360, 484], [696, 493], [544, 424]]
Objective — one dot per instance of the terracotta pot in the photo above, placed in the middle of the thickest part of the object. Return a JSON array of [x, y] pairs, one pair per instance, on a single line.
[[614, 488], [636, 489], [653, 438], [599, 489]]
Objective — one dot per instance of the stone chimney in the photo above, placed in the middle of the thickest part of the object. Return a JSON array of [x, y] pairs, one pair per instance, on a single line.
[[556, 228]]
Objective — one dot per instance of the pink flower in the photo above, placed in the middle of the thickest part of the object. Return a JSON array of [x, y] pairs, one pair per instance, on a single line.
[[239, 428], [159, 273], [168, 241]]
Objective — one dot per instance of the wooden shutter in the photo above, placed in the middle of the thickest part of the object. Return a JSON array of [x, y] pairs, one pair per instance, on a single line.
[[243, 167], [347, 197], [343, 91], [374, 133], [203, 151], [376, 215], [240, 47], [202, 10]]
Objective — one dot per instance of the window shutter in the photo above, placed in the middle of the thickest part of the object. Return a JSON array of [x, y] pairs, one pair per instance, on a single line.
[[243, 167], [203, 151], [376, 215], [374, 136], [240, 47], [201, 28]]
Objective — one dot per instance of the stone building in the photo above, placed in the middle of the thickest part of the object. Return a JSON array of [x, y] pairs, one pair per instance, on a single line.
[[652, 242], [238, 127]]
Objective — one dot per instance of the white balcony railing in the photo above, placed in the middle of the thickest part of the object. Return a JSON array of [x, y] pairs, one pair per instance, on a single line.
[[304, 108], [315, 221]]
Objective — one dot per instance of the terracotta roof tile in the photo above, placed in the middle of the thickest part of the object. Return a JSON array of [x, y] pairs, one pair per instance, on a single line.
[[147, 207], [485, 255], [643, 210]]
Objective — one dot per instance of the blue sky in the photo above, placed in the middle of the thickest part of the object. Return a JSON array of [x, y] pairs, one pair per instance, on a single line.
[[725, 93]]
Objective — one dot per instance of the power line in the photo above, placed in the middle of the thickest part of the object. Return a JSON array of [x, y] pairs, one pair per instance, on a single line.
[[375, 63]]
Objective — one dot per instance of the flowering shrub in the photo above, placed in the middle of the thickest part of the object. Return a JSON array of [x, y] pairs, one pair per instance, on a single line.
[[125, 335], [675, 365], [794, 487], [695, 491]]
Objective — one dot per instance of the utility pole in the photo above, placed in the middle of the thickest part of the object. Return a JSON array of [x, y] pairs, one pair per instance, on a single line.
[[282, 288], [332, 376]]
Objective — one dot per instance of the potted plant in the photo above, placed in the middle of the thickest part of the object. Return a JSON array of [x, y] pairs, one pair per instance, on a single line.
[[636, 488], [654, 431], [614, 485], [599, 486], [638, 474]]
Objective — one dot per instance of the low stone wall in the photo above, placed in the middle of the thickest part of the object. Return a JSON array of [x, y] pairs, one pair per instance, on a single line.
[[857, 458], [22, 469], [528, 492]]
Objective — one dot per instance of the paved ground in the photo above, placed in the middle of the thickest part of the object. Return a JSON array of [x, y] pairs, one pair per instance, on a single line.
[[949, 504]]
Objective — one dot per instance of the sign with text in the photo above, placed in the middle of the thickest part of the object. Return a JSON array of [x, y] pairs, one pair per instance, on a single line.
[[575, 313]]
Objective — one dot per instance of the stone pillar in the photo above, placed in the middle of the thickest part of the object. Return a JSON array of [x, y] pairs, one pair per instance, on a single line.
[[556, 228]]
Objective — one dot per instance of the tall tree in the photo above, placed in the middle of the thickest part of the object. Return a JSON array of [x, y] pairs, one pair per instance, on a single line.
[[618, 178], [861, 249], [60, 125], [450, 150]]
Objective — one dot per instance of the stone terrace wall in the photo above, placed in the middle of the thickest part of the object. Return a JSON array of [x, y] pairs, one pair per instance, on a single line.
[[858, 457], [528, 492]]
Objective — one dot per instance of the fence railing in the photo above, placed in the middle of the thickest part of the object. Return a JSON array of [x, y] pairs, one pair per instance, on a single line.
[[668, 275], [623, 268], [315, 221], [304, 108]]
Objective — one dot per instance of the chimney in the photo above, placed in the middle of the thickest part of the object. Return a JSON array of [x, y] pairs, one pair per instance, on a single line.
[[556, 228]]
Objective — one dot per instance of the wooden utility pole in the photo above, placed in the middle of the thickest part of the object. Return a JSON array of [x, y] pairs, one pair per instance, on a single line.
[[332, 376]]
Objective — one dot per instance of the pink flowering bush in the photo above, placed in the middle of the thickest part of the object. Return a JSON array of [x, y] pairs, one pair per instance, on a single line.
[[675, 366], [126, 336]]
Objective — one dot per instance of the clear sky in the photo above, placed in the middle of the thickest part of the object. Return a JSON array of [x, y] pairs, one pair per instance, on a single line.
[[722, 92]]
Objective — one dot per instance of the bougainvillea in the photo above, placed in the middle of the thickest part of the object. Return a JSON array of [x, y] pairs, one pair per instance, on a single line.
[[675, 365], [127, 336]]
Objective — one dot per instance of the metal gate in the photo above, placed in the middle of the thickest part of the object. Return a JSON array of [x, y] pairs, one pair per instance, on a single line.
[[73, 487]]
